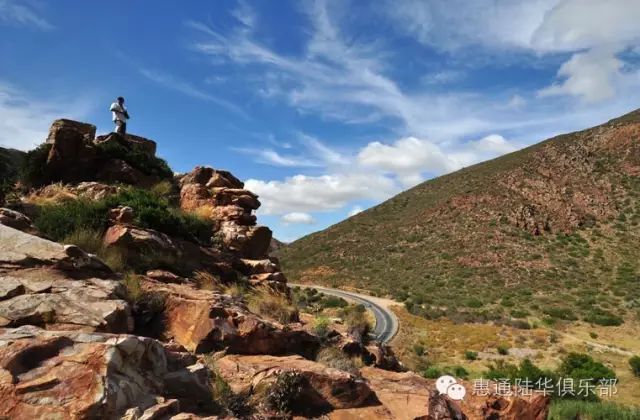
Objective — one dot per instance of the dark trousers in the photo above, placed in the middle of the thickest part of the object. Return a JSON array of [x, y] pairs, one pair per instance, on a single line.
[[121, 127]]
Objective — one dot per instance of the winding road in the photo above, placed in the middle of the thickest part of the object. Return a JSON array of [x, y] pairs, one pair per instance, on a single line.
[[386, 321]]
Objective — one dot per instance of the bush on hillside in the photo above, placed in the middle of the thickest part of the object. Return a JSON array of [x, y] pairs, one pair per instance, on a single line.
[[60, 220], [137, 158], [602, 317], [321, 327], [8, 172], [577, 366], [285, 393], [335, 358], [564, 409], [33, 166], [634, 362], [356, 321]]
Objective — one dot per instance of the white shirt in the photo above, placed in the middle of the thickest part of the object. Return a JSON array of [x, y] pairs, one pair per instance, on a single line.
[[118, 112]]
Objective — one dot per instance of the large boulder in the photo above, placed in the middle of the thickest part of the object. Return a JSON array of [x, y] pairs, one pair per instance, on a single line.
[[16, 220], [22, 250], [65, 374], [76, 155], [64, 128], [44, 283], [71, 157], [409, 396], [206, 320], [139, 244], [322, 389]]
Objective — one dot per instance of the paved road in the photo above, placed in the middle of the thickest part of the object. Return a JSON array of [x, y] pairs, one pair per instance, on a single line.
[[386, 321]]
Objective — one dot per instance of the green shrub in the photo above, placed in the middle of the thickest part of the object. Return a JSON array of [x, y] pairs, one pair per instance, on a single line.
[[634, 362], [432, 372], [137, 158], [582, 367], [419, 349], [285, 393], [458, 372], [471, 355], [321, 327], [503, 350], [91, 241], [8, 171], [566, 409], [61, 220], [602, 317], [33, 165], [560, 313]]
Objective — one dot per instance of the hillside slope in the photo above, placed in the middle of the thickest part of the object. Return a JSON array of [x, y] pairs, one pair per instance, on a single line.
[[550, 230]]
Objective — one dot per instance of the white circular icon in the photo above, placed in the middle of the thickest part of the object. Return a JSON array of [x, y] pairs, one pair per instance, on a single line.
[[456, 392], [444, 382]]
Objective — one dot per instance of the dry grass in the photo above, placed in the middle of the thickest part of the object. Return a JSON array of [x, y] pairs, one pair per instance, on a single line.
[[335, 358], [272, 305], [51, 194], [91, 241], [446, 342], [206, 281]]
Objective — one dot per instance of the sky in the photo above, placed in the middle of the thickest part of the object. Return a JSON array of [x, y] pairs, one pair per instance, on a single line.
[[324, 108]]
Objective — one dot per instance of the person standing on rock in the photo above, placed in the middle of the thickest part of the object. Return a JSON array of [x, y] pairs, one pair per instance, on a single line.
[[120, 115]]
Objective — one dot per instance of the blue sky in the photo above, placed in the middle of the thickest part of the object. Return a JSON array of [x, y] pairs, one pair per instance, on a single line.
[[324, 108]]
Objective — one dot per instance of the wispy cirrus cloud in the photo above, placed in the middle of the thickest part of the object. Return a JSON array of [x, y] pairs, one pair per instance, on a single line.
[[25, 119], [23, 13], [171, 82], [342, 80], [594, 32]]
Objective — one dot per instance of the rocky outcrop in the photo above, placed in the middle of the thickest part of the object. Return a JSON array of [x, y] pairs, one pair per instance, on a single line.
[[138, 243], [219, 196], [128, 140], [409, 396], [76, 155], [49, 285], [16, 220], [206, 320], [323, 389], [68, 374]]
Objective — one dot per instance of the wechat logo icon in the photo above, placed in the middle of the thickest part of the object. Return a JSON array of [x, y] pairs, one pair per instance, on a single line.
[[448, 385]]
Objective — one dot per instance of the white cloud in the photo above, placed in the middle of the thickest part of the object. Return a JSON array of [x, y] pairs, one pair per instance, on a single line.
[[272, 157], [580, 24], [602, 28], [297, 218], [408, 158], [21, 13], [443, 77], [25, 120], [493, 144], [302, 193], [342, 80], [355, 210], [375, 172], [591, 76], [516, 102]]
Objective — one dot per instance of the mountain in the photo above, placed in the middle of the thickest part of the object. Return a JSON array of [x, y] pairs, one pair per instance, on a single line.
[[128, 292], [550, 232]]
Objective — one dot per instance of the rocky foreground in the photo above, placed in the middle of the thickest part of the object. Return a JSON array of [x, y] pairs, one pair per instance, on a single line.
[[80, 340]]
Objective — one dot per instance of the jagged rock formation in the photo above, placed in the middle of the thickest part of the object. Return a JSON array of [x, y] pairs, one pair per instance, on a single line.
[[78, 340], [77, 155]]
